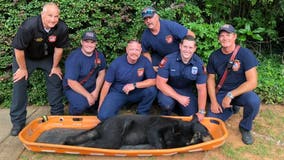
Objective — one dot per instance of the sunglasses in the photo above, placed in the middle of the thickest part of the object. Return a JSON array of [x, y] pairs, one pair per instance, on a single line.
[[148, 12]]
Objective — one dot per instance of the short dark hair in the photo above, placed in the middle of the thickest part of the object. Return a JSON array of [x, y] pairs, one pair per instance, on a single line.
[[134, 40], [189, 38]]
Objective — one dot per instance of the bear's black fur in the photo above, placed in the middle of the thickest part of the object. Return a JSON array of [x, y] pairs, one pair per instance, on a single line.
[[142, 132]]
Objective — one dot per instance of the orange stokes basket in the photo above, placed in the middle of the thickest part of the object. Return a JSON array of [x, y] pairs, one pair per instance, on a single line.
[[30, 134]]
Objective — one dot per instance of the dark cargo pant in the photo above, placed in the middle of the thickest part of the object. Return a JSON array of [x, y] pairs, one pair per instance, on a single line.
[[18, 109]]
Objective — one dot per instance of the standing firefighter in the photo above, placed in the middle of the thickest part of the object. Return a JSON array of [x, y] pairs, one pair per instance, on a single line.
[[38, 43]]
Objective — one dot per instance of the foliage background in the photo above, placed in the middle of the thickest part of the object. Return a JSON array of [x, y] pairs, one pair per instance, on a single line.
[[259, 23]]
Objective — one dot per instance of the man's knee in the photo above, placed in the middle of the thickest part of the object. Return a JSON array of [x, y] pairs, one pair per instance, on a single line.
[[166, 104], [165, 101], [57, 109], [150, 92], [76, 110], [252, 100], [102, 116], [255, 101]]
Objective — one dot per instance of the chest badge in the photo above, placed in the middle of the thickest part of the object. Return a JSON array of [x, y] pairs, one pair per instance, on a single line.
[[194, 70], [236, 66], [39, 39], [169, 39], [140, 72], [52, 38]]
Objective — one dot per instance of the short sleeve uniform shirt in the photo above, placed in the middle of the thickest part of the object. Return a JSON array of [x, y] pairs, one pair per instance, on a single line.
[[182, 75], [78, 66], [120, 72], [244, 61], [167, 40]]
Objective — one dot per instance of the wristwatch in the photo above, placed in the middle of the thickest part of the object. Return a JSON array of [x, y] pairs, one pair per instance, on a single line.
[[230, 95], [134, 84], [202, 111]]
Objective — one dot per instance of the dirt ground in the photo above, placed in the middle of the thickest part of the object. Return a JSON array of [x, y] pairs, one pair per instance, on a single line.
[[267, 132]]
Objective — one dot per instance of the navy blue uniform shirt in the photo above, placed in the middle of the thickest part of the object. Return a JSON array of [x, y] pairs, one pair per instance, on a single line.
[[78, 66], [218, 62], [120, 72], [167, 40], [182, 75]]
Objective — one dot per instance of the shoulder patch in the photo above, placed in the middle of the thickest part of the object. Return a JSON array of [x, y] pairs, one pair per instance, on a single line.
[[163, 62]]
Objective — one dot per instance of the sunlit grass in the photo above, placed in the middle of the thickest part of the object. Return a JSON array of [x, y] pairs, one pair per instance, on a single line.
[[270, 123], [268, 128], [232, 152]]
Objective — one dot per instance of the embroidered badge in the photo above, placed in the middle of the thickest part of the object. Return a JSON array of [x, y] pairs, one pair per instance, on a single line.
[[140, 72], [169, 38], [97, 62], [194, 70], [39, 39], [163, 62], [236, 65], [52, 38]]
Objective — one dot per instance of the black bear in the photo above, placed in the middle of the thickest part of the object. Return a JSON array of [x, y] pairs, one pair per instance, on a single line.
[[142, 132]]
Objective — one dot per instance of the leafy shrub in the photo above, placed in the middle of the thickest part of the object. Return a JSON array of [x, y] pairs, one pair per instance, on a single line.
[[271, 79], [118, 21]]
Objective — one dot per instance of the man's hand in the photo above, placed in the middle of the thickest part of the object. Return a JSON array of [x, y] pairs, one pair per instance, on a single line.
[[184, 100], [91, 99], [216, 108], [156, 68], [200, 116], [95, 95], [226, 103], [19, 74], [128, 87], [57, 71]]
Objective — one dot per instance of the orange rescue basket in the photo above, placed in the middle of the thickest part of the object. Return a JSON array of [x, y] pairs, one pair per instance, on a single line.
[[29, 135]]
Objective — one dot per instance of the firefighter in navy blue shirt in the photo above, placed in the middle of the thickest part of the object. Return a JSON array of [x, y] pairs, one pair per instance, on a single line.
[[238, 87], [84, 76], [161, 37], [177, 77], [38, 43], [129, 79]]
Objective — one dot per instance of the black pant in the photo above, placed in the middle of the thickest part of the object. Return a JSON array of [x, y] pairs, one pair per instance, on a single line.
[[18, 110]]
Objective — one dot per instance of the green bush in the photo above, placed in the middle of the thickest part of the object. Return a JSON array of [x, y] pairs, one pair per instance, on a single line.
[[117, 21], [271, 79]]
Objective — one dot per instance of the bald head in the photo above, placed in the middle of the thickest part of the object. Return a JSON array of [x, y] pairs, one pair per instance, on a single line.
[[50, 15], [48, 6]]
